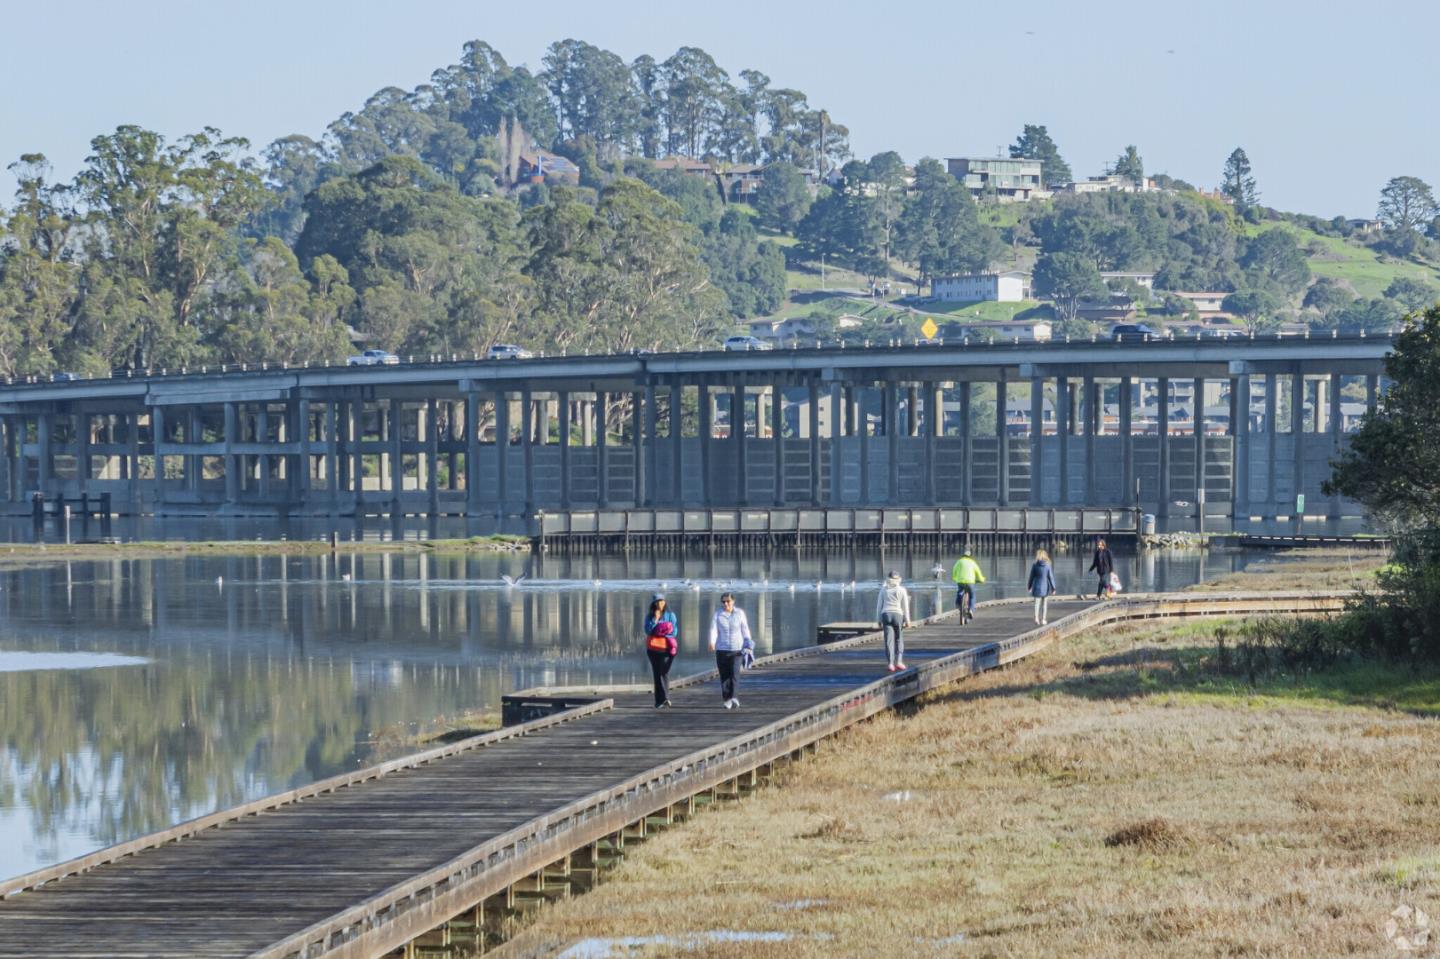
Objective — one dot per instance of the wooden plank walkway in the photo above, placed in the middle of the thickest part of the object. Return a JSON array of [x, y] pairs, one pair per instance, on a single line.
[[255, 884]]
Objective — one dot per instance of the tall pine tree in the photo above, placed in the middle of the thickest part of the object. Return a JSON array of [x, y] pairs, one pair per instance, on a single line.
[[1034, 143], [1237, 183]]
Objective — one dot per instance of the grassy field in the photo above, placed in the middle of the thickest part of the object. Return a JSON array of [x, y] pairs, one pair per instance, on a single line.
[[1362, 268], [1117, 795]]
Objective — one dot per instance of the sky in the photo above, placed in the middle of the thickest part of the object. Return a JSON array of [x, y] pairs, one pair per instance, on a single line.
[[1329, 101]]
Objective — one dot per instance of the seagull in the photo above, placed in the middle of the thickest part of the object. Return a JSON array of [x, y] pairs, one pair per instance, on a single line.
[[595, 583], [511, 583], [345, 577], [937, 571], [792, 587], [219, 582]]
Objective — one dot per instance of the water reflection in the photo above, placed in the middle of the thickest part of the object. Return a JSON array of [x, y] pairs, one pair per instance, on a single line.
[[259, 674]]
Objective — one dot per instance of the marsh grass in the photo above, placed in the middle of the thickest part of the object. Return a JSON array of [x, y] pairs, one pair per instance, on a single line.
[[1116, 795]]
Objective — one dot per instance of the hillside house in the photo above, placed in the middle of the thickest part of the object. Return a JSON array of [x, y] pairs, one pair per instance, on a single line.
[[538, 166], [1007, 179], [1011, 286]]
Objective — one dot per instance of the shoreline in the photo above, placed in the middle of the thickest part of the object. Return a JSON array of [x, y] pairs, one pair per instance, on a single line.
[[15, 553]]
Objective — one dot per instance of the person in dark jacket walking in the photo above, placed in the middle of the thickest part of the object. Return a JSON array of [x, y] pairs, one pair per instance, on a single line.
[[1102, 565], [662, 642], [1041, 585]]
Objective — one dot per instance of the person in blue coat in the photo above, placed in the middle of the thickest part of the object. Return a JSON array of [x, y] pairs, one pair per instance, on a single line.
[[1041, 585]]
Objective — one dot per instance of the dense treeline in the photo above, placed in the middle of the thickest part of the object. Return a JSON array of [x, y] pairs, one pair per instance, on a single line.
[[408, 222], [420, 223]]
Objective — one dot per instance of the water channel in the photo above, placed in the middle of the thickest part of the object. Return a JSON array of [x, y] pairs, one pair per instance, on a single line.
[[138, 693]]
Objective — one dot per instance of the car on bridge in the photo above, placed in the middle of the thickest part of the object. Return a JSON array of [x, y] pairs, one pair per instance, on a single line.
[[743, 344], [373, 358], [1132, 333], [507, 351], [64, 376]]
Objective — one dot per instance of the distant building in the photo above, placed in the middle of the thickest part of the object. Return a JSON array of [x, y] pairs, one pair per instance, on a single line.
[[1146, 280], [1009, 287], [1364, 227], [1110, 183], [1003, 177], [740, 182], [797, 327], [685, 165], [1207, 303], [537, 166], [1026, 331]]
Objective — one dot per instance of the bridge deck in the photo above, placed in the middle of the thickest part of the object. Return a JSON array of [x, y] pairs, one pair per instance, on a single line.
[[235, 889]]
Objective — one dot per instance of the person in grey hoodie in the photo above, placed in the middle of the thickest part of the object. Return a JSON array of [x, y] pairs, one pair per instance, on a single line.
[[892, 610], [729, 637]]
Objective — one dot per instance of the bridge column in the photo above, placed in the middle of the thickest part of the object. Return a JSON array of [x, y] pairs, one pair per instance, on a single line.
[[394, 410], [1037, 439], [1333, 427], [355, 419], [934, 415], [157, 437], [642, 427], [1163, 417], [707, 402], [527, 448], [562, 412], [472, 453], [737, 438], [1240, 429], [1197, 420], [1002, 437], [1272, 408], [331, 456], [1372, 393], [1128, 495], [777, 430], [232, 460], [1090, 399], [817, 490], [304, 468], [262, 437], [677, 444], [502, 450], [43, 433], [12, 469], [862, 420], [837, 433], [967, 454], [432, 455], [1297, 429], [1064, 428], [894, 425]]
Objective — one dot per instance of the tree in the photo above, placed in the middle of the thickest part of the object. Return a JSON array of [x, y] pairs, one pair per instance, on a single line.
[[1258, 310], [1392, 463], [1406, 204], [1130, 166], [1237, 182], [1411, 293], [751, 274], [1273, 260], [939, 229], [1327, 294], [783, 198], [1068, 279], [273, 311], [1034, 143]]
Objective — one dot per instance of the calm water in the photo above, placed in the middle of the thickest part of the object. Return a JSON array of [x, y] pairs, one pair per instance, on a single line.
[[135, 694]]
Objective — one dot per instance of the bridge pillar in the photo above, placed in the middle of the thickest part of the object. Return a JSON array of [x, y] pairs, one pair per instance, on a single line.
[[677, 444], [562, 411], [356, 427], [1128, 495], [432, 455], [1090, 398], [232, 461], [7, 441], [1372, 393], [934, 416], [1197, 420], [737, 439], [777, 438], [642, 429], [331, 457], [391, 435], [837, 433], [262, 437], [812, 397], [1163, 429], [472, 453], [706, 409], [1272, 437], [862, 419], [1064, 429], [44, 440], [298, 436], [894, 425], [1333, 428], [157, 439], [1297, 430], [601, 416], [1037, 440], [967, 453], [1240, 429], [1002, 437]]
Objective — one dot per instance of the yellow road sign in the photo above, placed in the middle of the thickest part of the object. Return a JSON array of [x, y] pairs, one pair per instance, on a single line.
[[929, 328]]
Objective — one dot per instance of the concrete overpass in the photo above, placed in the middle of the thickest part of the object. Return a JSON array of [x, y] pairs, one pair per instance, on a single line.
[[963, 423]]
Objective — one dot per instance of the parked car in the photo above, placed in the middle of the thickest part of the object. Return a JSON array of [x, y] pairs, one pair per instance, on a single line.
[[1222, 333], [373, 358], [1132, 333], [64, 377], [741, 344], [507, 351]]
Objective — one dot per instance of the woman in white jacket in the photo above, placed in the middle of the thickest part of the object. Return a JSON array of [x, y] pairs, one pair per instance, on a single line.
[[892, 610], [729, 637]]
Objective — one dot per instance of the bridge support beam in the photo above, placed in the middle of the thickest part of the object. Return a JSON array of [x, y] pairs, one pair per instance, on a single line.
[[838, 407], [1240, 429], [1128, 494], [677, 444]]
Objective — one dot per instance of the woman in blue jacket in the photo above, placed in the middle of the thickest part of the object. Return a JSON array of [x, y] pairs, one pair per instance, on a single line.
[[1041, 585], [662, 642]]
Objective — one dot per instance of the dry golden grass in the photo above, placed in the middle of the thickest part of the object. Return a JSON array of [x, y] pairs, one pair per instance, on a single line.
[[1085, 802], [1305, 569]]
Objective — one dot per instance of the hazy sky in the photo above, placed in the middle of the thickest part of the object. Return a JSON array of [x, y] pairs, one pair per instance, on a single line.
[[1328, 104]]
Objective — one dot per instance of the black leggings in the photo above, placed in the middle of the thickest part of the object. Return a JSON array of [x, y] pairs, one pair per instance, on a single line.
[[660, 667], [729, 665]]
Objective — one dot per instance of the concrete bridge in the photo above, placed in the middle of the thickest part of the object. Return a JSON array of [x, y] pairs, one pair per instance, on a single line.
[[1250, 422]]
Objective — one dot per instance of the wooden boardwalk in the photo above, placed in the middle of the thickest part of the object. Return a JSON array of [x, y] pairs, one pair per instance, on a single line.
[[361, 868]]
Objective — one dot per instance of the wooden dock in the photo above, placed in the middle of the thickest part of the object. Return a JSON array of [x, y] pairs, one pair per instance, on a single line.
[[466, 837]]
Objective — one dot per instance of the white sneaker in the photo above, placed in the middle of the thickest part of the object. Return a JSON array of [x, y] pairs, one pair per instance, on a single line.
[[1044, 622], [733, 704]]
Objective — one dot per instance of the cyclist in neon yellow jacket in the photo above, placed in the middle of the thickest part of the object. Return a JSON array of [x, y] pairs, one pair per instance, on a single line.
[[965, 575]]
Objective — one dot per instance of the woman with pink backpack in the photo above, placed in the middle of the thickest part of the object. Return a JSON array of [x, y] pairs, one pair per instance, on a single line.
[[662, 642]]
